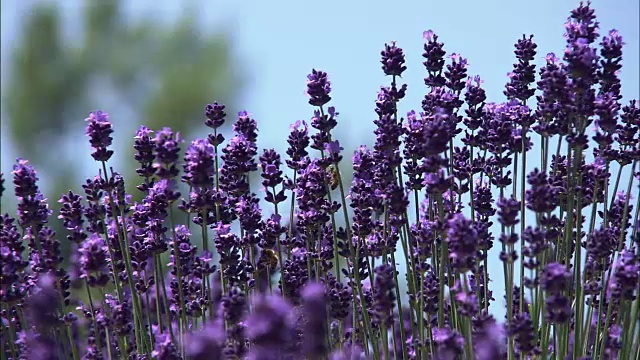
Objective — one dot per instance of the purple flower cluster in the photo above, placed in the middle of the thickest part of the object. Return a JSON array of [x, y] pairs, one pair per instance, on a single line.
[[398, 264]]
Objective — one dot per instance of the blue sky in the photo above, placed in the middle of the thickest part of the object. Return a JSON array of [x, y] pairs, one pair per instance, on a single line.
[[279, 42]]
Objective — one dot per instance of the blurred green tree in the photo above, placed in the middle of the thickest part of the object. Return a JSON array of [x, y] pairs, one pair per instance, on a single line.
[[142, 72], [147, 72]]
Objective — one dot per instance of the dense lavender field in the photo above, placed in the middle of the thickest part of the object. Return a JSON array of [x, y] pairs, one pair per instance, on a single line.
[[208, 266]]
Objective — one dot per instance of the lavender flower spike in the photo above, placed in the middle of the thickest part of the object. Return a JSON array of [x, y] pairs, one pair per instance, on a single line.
[[99, 132]]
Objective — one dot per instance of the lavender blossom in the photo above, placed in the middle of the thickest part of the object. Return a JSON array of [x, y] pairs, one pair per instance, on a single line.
[[99, 132], [392, 60], [434, 63], [318, 88], [463, 241], [143, 143], [523, 73], [93, 261], [315, 325], [167, 153]]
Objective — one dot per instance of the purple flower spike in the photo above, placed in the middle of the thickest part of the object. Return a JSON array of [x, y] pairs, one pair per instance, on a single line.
[[449, 343], [99, 132], [523, 73], [199, 164], [463, 242], [611, 54], [384, 295], [508, 209], [24, 179], [542, 196], [44, 303], [32, 205], [434, 59], [12, 263], [144, 144], [167, 152], [71, 216], [269, 326], [314, 343], [165, 349], [456, 73], [318, 88], [93, 261], [333, 150], [392, 60], [206, 344], [555, 278], [270, 164], [246, 126], [215, 115], [298, 141]]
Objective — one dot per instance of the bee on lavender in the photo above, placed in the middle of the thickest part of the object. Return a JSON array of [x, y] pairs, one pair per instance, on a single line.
[[334, 178], [269, 258]]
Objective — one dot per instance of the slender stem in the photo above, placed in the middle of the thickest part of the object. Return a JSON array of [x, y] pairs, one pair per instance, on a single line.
[[72, 343]]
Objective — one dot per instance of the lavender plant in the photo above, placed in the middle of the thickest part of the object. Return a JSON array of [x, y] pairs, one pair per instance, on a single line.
[[394, 265]]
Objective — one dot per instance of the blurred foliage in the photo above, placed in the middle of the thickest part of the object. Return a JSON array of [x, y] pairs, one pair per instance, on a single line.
[[158, 74]]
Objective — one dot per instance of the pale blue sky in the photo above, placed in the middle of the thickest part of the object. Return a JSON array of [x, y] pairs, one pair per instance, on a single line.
[[279, 42]]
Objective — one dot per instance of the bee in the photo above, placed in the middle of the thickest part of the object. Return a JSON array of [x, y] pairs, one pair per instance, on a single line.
[[269, 258], [334, 177]]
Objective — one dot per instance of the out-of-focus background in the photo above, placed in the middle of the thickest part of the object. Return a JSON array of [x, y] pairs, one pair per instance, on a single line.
[[158, 63]]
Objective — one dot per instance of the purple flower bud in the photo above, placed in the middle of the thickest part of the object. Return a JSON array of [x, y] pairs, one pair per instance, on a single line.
[[556, 98], [456, 72], [449, 343], [298, 141], [324, 123], [165, 349], [143, 143], [339, 297], [434, 59], [606, 107], [93, 261], [205, 344], [270, 164], [610, 65], [44, 303], [522, 331], [215, 115], [318, 88], [384, 295], [71, 215], [99, 132], [508, 209], [33, 209], [541, 196], [463, 242], [121, 316], [246, 126], [523, 71], [12, 263], [167, 152], [555, 278], [314, 344], [392, 60], [627, 276], [199, 164], [24, 179], [269, 326]]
